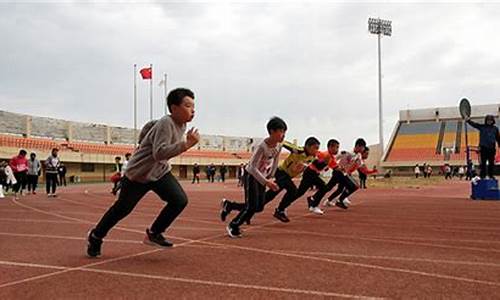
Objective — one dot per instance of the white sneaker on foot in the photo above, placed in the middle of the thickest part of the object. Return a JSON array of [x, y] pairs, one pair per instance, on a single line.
[[328, 203], [316, 210], [347, 202]]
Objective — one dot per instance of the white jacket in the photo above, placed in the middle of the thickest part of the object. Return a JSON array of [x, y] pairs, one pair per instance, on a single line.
[[10, 175]]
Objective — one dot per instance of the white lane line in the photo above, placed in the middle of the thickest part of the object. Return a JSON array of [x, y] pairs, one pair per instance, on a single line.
[[191, 281]]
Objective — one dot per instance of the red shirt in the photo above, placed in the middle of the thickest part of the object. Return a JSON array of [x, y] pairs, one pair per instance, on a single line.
[[323, 161], [19, 164]]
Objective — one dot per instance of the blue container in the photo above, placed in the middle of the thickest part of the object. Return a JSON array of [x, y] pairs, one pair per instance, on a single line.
[[485, 189]]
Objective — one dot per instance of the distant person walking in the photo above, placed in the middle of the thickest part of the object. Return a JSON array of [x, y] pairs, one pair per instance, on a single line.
[[223, 171], [62, 174]]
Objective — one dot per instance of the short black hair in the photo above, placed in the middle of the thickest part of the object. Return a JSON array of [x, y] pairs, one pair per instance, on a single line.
[[332, 142], [128, 154], [54, 149], [118, 158], [23, 152], [175, 96], [360, 143], [276, 123], [310, 141], [33, 154]]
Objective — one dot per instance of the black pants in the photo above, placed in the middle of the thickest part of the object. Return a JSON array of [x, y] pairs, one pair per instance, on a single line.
[[362, 180], [346, 187], [211, 178], [167, 188], [50, 182], [336, 178], [310, 178], [62, 179], [32, 182], [21, 178], [196, 178], [254, 201], [487, 155], [284, 182], [223, 177]]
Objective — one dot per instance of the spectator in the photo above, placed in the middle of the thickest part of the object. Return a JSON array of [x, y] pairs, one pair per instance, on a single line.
[[417, 171], [117, 174], [212, 171], [196, 173], [9, 174], [241, 174], [223, 171], [19, 165], [447, 171], [429, 171], [461, 172], [3, 179], [34, 169], [51, 166], [62, 174]]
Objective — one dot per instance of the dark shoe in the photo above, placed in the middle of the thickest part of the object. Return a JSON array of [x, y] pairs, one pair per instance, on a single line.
[[156, 239], [233, 232], [93, 245], [281, 215], [224, 209], [340, 204]]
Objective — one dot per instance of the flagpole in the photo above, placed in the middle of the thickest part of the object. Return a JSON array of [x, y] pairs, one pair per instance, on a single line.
[[165, 86], [151, 94], [135, 105]]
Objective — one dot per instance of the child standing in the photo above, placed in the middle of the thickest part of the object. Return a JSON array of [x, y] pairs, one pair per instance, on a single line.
[[149, 169], [34, 168], [51, 165], [19, 165], [260, 169]]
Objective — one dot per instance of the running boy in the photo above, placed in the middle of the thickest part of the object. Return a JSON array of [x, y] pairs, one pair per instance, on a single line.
[[260, 169], [294, 165], [310, 178], [149, 169]]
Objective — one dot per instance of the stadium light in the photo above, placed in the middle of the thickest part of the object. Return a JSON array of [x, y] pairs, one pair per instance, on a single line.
[[380, 27]]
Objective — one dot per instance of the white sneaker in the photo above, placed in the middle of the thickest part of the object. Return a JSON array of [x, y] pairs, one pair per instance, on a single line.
[[49, 195], [347, 202], [316, 210], [328, 203], [311, 208]]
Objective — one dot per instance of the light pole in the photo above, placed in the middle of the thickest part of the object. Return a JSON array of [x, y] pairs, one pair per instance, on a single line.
[[380, 27]]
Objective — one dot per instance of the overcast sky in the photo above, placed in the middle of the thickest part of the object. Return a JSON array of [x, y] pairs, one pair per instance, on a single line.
[[312, 63]]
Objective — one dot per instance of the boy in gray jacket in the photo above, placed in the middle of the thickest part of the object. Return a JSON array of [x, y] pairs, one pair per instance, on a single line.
[[149, 169]]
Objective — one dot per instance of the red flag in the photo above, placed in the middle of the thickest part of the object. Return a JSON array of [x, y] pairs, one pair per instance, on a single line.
[[146, 73]]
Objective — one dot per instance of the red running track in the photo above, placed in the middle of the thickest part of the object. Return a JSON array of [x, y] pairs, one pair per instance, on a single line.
[[391, 243]]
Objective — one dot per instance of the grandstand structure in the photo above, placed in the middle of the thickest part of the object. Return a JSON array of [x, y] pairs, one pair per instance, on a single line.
[[434, 136], [88, 150]]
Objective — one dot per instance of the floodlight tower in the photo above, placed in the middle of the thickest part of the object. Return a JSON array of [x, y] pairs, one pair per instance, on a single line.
[[380, 27]]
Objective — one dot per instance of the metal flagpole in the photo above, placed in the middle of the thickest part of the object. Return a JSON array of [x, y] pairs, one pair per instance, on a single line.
[[165, 91], [135, 105], [151, 94]]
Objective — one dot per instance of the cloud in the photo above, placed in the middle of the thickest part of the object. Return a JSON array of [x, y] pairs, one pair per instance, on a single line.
[[314, 64]]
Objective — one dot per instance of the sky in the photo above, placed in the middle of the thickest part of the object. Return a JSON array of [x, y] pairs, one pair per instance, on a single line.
[[313, 63]]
